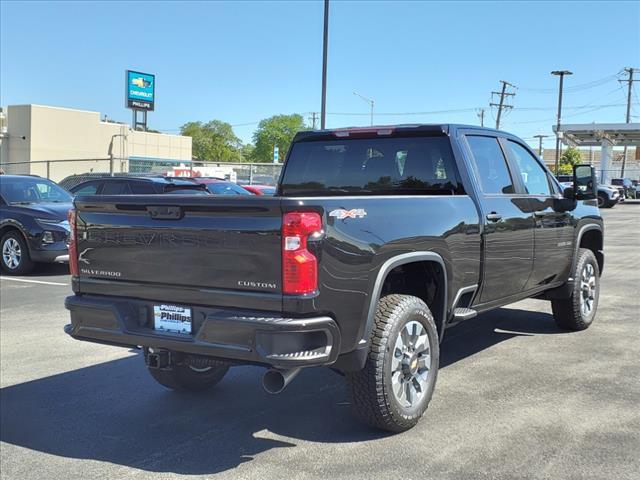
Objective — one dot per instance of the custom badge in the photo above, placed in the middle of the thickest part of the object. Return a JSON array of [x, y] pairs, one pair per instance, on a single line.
[[341, 213]]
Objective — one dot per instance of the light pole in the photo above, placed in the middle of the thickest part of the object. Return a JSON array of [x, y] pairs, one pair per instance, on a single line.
[[369, 101], [325, 42], [540, 137], [561, 74]]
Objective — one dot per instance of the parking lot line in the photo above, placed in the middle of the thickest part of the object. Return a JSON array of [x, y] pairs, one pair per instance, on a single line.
[[28, 280]]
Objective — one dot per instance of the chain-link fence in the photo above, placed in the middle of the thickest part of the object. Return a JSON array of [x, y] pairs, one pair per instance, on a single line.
[[71, 172], [633, 173]]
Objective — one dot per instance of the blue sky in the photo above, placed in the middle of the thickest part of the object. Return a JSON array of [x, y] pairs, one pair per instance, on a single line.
[[244, 61]]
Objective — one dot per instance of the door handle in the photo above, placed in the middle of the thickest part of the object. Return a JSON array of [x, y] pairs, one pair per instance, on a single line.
[[494, 217]]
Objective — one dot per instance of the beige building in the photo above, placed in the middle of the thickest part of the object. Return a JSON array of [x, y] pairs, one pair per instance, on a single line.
[[56, 142]]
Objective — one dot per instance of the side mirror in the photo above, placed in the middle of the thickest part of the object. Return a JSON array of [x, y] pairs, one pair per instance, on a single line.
[[585, 184], [569, 193]]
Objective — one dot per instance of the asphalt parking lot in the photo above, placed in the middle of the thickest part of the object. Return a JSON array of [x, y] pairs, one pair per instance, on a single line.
[[516, 398]]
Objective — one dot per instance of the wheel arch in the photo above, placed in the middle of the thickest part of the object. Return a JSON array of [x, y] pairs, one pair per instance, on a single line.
[[439, 305], [591, 237], [10, 227]]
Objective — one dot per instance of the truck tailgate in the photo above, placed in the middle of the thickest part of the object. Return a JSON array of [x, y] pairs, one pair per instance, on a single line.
[[205, 242]]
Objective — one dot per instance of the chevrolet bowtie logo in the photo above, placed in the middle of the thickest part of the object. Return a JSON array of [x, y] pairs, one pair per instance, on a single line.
[[341, 214], [82, 254]]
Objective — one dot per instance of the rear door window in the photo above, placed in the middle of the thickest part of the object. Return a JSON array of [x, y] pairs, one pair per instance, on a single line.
[[372, 166], [491, 165], [89, 188], [142, 188], [116, 188]]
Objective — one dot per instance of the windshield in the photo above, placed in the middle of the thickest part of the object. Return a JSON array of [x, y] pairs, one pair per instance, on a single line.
[[226, 188], [32, 190], [388, 166]]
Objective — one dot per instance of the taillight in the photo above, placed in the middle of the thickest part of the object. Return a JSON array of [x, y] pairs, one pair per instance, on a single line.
[[299, 265], [73, 243]]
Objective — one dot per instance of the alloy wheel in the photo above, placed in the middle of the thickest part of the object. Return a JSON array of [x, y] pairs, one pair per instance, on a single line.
[[587, 289], [410, 364], [11, 253]]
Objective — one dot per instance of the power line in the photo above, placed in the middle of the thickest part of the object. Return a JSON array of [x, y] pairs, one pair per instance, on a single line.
[[593, 108], [573, 88], [245, 124], [437, 112], [432, 112]]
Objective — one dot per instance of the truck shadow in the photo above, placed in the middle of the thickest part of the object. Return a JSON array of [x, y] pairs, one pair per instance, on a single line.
[[114, 412]]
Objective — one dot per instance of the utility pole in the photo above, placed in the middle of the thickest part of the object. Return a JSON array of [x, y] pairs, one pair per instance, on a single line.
[[481, 116], [540, 137], [561, 74], [502, 106], [629, 81], [325, 42], [314, 117]]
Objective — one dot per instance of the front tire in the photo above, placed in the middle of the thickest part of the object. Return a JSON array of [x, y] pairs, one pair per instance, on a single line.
[[16, 259], [578, 311], [394, 389]]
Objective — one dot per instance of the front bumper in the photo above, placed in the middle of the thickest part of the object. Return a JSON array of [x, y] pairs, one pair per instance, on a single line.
[[240, 336], [52, 253]]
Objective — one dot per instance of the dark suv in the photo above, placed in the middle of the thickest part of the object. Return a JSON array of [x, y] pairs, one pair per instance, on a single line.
[[33, 222], [138, 186]]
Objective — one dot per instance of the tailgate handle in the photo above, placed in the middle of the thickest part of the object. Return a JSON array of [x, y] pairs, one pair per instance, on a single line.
[[162, 212]]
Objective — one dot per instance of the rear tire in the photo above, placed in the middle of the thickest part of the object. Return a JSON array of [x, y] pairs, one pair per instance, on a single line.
[[393, 390], [184, 378], [16, 259], [578, 311]]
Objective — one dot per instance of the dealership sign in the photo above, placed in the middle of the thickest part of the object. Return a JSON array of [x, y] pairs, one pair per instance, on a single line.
[[141, 90]]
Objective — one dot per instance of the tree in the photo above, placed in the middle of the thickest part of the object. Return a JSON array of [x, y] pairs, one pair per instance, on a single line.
[[213, 141], [279, 131], [247, 152], [570, 157]]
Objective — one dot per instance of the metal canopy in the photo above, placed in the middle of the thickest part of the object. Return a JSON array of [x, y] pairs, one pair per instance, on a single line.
[[594, 134]]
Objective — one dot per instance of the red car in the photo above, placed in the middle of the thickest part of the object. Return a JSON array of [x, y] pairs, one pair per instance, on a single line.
[[261, 189], [220, 186]]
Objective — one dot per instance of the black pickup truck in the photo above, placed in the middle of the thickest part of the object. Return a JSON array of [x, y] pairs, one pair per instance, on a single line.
[[376, 241]]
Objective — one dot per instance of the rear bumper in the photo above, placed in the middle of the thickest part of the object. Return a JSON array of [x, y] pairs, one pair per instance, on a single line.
[[242, 336]]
